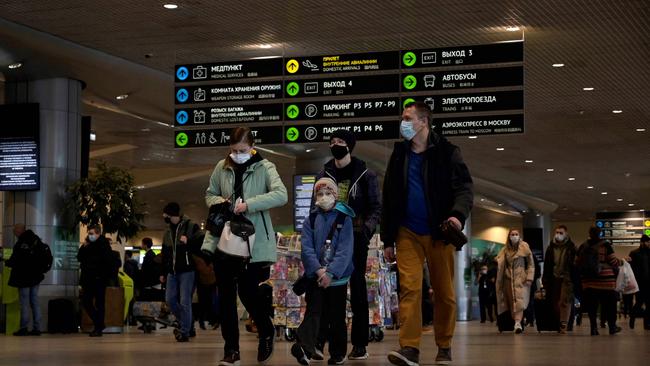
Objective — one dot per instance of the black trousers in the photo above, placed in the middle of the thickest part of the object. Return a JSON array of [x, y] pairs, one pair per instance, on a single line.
[[358, 298], [330, 302], [488, 307], [93, 299], [642, 297], [235, 276], [205, 310], [607, 300]]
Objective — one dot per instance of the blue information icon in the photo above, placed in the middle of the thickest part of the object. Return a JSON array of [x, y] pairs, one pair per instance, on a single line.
[[599, 224], [181, 117], [182, 73], [182, 95]]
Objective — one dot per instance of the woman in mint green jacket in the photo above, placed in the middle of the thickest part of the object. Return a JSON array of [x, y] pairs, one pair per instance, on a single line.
[[255, 187]]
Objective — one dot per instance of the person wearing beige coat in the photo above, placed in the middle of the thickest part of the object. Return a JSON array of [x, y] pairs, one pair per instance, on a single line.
[[515, 275]]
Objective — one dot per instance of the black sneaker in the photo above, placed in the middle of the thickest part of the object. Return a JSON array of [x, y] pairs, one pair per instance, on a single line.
[[358, 353], [299, 353], [192, 333], [180, 337], [444, 356], [339, 360], [615, 330], [632, 319], [318, 353], [96, 333], [265, 349], [23, 332], [407, 356], [35, 332], [230, 359]]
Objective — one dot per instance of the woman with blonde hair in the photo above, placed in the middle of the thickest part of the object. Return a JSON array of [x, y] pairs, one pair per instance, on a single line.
[[514, 278]]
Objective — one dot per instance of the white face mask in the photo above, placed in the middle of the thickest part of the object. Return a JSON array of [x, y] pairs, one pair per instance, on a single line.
[[559, 237], [240, 158], [484, 271], [514, 239], [92, 238], [326, 201], [406, 130]]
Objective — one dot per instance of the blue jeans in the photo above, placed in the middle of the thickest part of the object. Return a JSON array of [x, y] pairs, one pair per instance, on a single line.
[[29, 297], [181, 286]]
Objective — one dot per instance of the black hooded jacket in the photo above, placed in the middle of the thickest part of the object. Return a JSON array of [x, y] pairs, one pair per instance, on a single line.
[[96, 261], [447, 183], [24, 269], [363, 197]]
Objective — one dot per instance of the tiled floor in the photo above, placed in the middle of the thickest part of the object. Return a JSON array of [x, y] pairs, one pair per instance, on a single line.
[[474, 344]]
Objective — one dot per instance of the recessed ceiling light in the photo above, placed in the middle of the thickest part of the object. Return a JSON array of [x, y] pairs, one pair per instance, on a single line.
[[619, 199], [558, 65], [572, 179], [550, 170], [617, 111], [473, 137], [482, 199], [15, 65], [145, 130], [640, 130], [170, 6], [588, 89], [122, 96], [500, 148], [590, 187], [630, 204], [309, 150], [265, 46], [512, 28], [528, 161], [500, 204], [603, 193]]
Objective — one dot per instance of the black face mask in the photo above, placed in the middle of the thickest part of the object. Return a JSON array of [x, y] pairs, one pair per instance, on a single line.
[[338, 151], [168, 220]]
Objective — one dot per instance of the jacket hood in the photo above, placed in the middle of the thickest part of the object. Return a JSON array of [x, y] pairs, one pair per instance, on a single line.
[[27, 237], [345, 209], [359, 169], [568, 243]]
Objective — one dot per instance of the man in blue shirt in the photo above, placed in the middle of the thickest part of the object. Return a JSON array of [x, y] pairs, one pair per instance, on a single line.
[[426, 184]]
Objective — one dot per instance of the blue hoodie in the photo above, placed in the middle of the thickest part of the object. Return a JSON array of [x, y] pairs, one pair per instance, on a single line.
[[313, 240]]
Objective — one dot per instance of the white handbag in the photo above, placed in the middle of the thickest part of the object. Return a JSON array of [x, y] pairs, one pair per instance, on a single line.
[[239, 244]]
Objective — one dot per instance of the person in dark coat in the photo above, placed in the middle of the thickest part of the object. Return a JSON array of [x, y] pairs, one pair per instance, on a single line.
[[487, 294], [640, 262], [427, 183], [358, 188], [560, 276], [26, 275], [97, 264], [150, 274]]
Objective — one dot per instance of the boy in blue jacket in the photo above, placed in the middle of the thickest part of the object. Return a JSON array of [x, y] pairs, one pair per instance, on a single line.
[[327, 247]]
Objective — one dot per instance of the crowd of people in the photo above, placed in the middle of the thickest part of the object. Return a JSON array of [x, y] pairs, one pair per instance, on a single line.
[[427, 187]]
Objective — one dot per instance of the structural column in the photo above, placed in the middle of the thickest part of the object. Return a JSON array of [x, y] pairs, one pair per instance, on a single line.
[[42, 211], [462, 277]]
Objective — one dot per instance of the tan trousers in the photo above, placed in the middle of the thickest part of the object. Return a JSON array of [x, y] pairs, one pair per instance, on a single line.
[[412, 250]]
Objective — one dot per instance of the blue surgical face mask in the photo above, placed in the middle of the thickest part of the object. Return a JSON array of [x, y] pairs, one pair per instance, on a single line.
[[406, 130], [92, 238]]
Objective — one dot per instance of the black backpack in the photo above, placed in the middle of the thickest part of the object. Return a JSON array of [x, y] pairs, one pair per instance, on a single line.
[[42, 256], [589, 263]]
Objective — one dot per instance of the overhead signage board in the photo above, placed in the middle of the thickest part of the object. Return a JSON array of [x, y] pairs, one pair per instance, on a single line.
[[623, 228], [303, 190], [464, 55], [474, 102], [355, 62], [354, 108], [351, 85], [228, 114], [481, 125], [221, 137], [228, 92], [385, 130], [463, 79], [19, 147], [229, 70]]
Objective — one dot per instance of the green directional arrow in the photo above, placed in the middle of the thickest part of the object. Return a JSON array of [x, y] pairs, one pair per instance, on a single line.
[[293, 88], [409, 59], [407, 101], [292, 134], [182, 139], [293, 111], [410, 82]]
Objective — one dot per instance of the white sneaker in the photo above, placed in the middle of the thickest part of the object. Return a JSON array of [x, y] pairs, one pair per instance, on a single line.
[[518, 328]]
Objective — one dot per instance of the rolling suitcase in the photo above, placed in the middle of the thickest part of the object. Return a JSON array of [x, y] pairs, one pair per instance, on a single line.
[[61, 316], [505, 323], [545, 316], [151, 312]]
